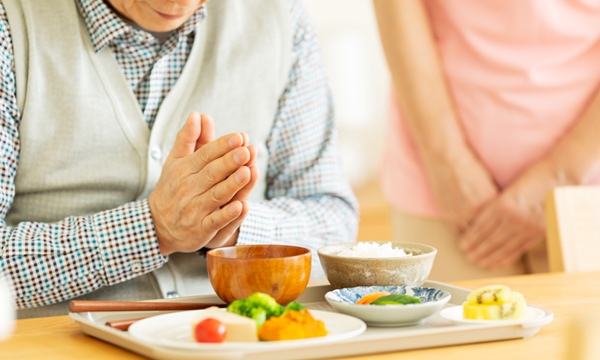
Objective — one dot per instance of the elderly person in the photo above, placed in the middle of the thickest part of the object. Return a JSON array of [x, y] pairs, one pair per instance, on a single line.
[[112, 180]]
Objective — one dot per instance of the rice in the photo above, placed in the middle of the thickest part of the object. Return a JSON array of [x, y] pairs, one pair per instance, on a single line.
[[371, 249]]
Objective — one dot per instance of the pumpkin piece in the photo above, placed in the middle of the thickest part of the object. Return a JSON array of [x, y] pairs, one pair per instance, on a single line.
[[292, 325]]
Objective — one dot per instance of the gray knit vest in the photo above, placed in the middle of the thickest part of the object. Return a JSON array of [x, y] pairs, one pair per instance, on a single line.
[[85, 146]]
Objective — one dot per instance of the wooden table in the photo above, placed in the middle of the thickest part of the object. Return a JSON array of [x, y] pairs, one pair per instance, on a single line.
[[569, 296]]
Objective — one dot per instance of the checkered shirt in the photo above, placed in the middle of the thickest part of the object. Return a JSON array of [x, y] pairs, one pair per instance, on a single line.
[[308, 199]]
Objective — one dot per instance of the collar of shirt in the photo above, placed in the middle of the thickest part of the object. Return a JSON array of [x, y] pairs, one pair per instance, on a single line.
[[105, 26]]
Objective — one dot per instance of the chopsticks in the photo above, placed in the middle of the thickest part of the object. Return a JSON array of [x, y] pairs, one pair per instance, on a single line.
[[99, 305], [123, 324]]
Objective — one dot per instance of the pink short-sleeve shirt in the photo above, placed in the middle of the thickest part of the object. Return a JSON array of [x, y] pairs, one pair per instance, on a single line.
[[521, 73]]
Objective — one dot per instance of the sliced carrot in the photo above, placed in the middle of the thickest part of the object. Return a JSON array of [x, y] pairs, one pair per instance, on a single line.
[[369, 298]]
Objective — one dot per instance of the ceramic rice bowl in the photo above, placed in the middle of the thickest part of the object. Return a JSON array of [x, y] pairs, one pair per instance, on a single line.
[[344, 271]]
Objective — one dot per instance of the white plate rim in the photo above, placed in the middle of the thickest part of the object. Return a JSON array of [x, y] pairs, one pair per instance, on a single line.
[[455, 314], [145, 331]]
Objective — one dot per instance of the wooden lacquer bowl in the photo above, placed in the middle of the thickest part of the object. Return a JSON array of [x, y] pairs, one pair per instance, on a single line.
[[281, 271]]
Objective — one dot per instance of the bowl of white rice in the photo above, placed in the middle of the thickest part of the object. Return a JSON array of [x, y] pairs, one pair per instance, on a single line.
[[377, 263]]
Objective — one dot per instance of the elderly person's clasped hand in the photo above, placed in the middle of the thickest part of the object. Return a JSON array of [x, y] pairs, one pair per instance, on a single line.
[[199, 200]]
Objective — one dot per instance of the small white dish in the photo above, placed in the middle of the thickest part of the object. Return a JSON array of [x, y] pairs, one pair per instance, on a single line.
[[432, 300], [455, 314]]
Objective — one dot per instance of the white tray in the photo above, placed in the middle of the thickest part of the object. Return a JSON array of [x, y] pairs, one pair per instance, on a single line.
[[435, 331]]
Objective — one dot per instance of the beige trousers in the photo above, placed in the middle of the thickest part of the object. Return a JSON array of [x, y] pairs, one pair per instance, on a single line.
[[450, 264]]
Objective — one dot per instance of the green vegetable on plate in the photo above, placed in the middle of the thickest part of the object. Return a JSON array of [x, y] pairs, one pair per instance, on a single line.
[[260, 307], [396, 299]]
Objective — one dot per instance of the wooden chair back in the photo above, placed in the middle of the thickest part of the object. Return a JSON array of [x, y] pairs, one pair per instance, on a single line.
[[573, 228]]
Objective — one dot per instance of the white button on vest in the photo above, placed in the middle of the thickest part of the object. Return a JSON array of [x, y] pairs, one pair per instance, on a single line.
[[156, 152], [136, 267]]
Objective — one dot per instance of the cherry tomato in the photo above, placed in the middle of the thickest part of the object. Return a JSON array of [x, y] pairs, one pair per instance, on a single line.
[[210, 330]]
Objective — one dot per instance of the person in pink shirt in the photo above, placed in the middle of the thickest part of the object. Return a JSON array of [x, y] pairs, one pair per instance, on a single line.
[[496, 102]]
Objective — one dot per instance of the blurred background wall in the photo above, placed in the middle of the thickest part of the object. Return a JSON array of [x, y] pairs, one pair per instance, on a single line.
[[359, 79]]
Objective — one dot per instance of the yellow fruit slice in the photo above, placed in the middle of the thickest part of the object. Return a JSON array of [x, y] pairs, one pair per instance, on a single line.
[[490, 295], [512, 307], [369, 298]]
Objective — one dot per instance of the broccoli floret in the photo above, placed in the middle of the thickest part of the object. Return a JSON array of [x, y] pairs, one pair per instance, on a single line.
[[267, 302], [258, 306], [238, 307], [259, 315], [294, 306]]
